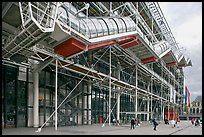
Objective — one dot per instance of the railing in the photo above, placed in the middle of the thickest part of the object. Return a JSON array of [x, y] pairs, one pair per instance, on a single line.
[[42, 13]]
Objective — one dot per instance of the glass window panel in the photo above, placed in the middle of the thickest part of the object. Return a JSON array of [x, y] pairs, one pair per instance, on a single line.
[[82, 27], [91, 27], [22, 104], [119, 24], [74, 22], [3, 97], [123, 27], [98, 27], [127, 24], [105, 29], [87, 31], [10, 98], [63, 14], [114, 25], [133, 25], [110, 26]]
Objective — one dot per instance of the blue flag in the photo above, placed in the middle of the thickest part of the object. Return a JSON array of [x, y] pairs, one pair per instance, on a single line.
[[186, 96]]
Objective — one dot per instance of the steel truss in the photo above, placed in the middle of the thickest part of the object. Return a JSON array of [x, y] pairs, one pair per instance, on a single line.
[[130, 61]]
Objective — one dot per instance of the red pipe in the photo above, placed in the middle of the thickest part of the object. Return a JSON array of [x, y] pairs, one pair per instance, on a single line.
[[148, 60], [99, 45], [130, 44], [125, 39], [182, 65]]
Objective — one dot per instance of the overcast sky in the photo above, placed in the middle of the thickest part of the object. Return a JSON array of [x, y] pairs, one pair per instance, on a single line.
[[185, 22]]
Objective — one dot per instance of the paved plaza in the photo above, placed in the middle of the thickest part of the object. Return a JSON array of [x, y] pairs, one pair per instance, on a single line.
[[185, 128]]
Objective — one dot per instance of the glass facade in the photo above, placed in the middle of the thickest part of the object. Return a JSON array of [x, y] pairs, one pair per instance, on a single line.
[[14, 99]]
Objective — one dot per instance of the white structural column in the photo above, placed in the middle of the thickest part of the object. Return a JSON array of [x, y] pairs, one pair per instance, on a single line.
[[161, 110], [162, 75], [56, 94], [151, 86], [109, 115], [118, 93], [85, 103], [90, 60], [168, 111], [118, 105], [148, 88], [89, 103], [169, 102], [136, 90], [35, 99], [148, 108], [111, 11]]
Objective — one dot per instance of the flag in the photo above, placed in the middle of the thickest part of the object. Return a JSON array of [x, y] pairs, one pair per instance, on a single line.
[[186, 97], [188, 93]]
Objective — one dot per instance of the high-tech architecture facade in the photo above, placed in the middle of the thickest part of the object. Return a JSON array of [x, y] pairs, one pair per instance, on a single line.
[[78, 63]]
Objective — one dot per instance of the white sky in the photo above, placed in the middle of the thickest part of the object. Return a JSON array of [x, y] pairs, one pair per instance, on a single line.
[[185, 22]]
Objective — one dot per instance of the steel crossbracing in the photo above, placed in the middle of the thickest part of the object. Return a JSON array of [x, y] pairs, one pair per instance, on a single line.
[[104, 79], [38, 19], [140, 41]]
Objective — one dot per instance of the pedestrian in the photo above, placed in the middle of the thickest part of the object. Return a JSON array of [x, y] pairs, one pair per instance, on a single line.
[[132, 123], [177, 122], [137, 122], [155, 124], [117, 122], [166, 121], [173, 123], [114, 121], [197, 123], [192, 121]]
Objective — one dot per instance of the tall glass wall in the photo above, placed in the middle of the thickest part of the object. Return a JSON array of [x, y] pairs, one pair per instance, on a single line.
[[14, 99]]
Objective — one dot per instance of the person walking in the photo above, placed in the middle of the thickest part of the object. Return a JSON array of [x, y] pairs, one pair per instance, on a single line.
[[173, 122], [166, 121], [155, 124], [197, 123], [192, 121], [132, 123], [177, 122], [137, 122]]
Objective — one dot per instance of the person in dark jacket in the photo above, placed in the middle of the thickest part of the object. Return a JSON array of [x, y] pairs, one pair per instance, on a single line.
[[132, 123], [166, 121], [155, 124]]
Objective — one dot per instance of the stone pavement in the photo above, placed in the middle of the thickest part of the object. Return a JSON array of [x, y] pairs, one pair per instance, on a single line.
[[185, 128]]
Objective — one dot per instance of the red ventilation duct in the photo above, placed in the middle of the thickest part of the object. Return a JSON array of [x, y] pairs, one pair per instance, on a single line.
[[69, 47]]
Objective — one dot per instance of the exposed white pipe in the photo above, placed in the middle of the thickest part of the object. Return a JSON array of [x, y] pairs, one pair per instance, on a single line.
[[35, 99], [136, 84], [86, 7], [56, 95], [22, 64], [118, 93], [109, 120]]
